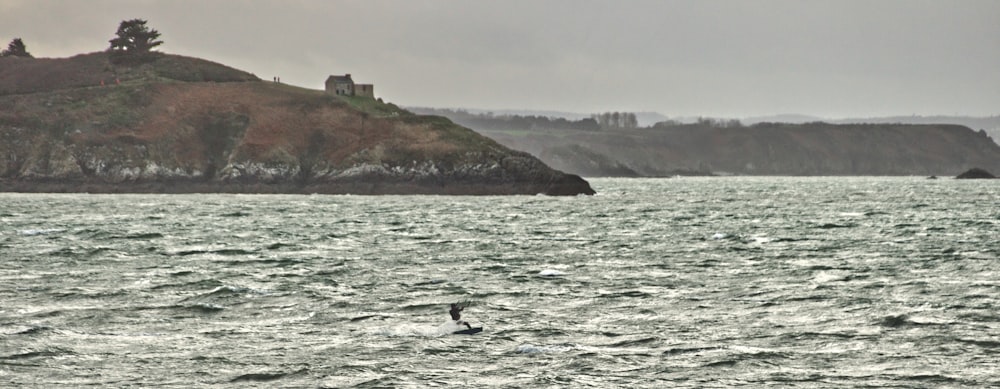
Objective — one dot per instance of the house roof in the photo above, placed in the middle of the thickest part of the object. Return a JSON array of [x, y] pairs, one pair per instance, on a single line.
[[345, 79]]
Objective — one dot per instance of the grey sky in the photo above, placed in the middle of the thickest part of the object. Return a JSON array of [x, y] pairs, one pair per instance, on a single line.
[[680, 58]]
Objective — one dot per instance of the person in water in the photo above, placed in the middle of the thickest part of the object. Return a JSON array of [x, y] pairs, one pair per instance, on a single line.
[[456, 315]]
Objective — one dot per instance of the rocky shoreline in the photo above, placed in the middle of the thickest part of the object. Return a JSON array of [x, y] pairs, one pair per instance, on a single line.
[[567, 187]]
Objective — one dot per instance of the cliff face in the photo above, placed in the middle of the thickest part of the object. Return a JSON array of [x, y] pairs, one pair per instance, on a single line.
[[763, 149], [186, 125]]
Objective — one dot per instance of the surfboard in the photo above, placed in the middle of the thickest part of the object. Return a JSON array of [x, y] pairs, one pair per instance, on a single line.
[[470, 331]]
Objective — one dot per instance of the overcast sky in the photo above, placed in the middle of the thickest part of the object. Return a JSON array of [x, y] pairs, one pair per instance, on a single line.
[[832, 59]]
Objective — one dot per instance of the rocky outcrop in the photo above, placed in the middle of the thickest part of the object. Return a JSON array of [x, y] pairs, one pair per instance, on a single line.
[[975, 173], [163, 129]]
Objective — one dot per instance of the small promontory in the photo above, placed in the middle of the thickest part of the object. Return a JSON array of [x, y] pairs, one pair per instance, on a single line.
[[184, 125]]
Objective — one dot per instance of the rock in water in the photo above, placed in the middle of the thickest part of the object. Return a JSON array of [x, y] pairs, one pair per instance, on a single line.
[[975, 173]]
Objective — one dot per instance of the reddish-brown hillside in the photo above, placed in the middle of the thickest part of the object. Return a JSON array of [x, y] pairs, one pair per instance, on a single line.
[[159, 127]]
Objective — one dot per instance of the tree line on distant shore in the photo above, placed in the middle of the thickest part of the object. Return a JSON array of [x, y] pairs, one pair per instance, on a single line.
[[133, 43], [491, 121], [616, 120], [597, 122]]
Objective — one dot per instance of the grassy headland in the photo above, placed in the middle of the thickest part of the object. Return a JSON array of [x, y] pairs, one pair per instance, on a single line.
[[178, 122]]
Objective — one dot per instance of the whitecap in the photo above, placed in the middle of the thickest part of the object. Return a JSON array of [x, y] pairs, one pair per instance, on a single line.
[[551, 273], [421, 330], [43, 231], [824, 277], [719, 235], [528, 348], [207, 307]]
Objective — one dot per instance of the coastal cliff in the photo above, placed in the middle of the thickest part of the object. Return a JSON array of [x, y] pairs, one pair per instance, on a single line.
[[182, 125]]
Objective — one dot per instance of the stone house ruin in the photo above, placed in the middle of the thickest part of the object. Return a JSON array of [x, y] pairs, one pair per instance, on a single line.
[[345, 86]]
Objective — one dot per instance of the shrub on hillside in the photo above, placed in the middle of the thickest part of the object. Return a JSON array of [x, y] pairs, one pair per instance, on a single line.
[[16, 48]]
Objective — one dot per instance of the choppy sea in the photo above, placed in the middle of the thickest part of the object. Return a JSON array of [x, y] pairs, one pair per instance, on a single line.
[[682, 282]]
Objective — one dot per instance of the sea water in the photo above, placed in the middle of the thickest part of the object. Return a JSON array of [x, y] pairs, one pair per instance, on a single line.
[[683, 282]]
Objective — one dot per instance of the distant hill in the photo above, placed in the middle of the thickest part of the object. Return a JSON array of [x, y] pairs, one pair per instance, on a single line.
[[728, 147], [990, 124], [180, 124], [786, 118]]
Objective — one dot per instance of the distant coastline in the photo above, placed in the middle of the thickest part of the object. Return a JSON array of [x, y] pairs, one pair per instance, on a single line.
[[730, 147]]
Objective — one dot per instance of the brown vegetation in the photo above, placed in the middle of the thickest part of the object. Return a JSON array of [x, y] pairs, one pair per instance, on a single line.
[[33, 75], [58, 122]]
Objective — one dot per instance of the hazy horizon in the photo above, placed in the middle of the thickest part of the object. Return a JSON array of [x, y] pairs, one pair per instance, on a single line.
[[828, 59]]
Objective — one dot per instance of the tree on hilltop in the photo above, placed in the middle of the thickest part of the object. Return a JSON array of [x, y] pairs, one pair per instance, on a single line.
[[16, 48], [134, 41]]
